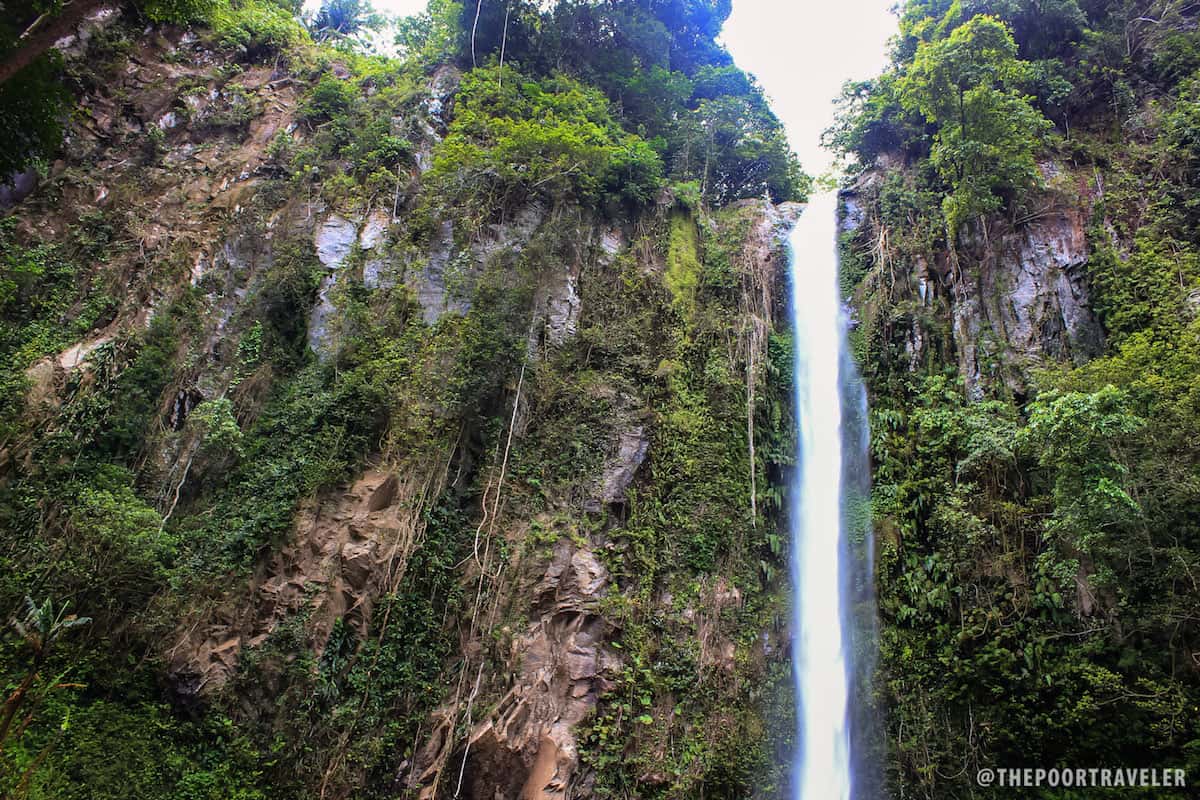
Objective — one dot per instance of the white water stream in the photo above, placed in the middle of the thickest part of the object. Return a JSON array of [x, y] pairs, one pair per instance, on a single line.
[[821, 638]]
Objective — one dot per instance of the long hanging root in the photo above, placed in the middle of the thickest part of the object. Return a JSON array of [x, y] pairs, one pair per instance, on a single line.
[[755, 305], [484, 531], [406, 542]]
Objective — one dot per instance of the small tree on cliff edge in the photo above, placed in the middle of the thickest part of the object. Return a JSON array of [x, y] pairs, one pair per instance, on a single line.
[[986, 128]]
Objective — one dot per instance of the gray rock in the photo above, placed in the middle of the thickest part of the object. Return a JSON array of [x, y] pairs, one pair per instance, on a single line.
[[333, 241], [1026, 302], [511, 236], [556, 310], [612, 242], [562, 312], [430, 283], [853, 214], [632, 445], [378, 273], [18, 186], [374, 230], [320, 337]]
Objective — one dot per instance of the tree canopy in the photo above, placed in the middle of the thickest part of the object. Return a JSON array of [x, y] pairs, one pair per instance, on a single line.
[[967, 86]]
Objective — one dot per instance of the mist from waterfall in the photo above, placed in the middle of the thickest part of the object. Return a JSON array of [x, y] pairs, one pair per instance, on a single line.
[[830, 524]]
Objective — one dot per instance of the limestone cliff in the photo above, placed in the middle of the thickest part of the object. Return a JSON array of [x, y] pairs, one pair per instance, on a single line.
[[1013, 295], [392, 496]]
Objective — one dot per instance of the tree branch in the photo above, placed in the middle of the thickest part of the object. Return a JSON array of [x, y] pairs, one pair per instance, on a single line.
[[33, 45]]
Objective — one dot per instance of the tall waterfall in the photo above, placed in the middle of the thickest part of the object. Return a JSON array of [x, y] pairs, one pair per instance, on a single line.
[[826, 498]]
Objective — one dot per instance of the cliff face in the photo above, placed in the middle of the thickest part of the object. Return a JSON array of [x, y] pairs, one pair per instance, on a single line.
[[1013, 296], [371, 495], [1020, 258]]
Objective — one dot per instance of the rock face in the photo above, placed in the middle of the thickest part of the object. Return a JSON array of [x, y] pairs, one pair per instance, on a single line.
[[348, 550], [558, 304], [213, 205], [526, 747], [333, 240], [1015, 297], [1025, 302], [432, 281], [632, 444]]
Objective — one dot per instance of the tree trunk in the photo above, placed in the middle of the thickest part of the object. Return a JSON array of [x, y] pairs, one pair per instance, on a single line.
[[31, 47]]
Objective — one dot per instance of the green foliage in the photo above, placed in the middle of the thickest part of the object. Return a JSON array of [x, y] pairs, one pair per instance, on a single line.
[[1146, 288], [1031, 547], [106, 751], [744, 152], [113, 533], [342, 20], [1041, 28], [179, 12], [331, 97], [683, 261], [663, 71], [284, 296], [641, 366], [33, 104], [872, 122], [79, 501], [142, 520], [432, 36], [46, 304], [38, 630], [967, 86], [514, 139], [306, 439], [1079, 438], [357, 710], [360, 128], [256, 29], [217, 426], [963, 492]]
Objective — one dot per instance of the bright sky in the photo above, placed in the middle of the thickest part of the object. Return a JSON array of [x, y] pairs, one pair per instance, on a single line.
[[802, 51]]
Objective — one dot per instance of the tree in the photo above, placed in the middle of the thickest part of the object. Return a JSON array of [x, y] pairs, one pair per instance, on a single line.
[[344, 19], [513, 137], [744, 152], [1078, 438], [39, 628], [33, 108], [870, 120], [433, 35], [967, 85], [1041, 28]]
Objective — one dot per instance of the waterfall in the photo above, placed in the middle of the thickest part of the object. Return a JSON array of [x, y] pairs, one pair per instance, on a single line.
[[829, 572]]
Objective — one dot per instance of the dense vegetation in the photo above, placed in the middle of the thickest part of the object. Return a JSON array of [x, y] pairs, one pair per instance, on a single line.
[[1039, 530], [1039, 524], [659, 64], [145, 488]]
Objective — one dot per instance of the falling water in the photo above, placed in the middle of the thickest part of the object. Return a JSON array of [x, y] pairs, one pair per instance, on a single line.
[[830, 421]]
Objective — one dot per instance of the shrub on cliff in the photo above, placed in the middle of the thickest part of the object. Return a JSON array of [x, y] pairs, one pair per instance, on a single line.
[[514, 139]]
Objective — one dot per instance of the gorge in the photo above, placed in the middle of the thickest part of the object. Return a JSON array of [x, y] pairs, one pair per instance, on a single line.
[[488, 417]]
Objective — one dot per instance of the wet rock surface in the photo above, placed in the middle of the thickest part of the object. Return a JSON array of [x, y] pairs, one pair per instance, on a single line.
[[1015, 296], [1026, 302]]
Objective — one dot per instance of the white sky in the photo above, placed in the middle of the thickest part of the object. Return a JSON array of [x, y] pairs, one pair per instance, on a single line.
[[802, 51]]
